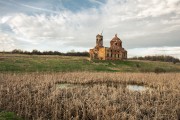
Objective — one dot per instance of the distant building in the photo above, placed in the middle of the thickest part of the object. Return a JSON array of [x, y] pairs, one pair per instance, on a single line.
[[114, 52]]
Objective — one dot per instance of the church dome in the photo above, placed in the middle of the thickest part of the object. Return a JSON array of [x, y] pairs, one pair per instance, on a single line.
[[115, 39]]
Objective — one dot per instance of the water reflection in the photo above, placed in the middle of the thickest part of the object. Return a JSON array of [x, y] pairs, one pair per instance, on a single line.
[[137, 88], [130, 87]]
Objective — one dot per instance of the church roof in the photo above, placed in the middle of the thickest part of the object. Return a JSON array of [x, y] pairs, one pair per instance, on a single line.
[[116, 38], [99, 35]]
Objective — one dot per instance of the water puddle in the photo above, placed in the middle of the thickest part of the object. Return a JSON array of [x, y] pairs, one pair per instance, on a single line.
[[137, 87], [67, 85], [130, 87]]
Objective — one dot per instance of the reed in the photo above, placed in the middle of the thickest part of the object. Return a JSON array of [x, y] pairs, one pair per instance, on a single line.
[[36, 96]]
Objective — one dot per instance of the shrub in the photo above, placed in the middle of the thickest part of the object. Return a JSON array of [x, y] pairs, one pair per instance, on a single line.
[[159, 70], [138, 66], [158, 58]]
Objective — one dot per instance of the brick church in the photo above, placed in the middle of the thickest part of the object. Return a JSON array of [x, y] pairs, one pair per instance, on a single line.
[[114, 52]]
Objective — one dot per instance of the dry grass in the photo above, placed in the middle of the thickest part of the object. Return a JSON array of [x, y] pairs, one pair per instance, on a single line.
[[36, 96]]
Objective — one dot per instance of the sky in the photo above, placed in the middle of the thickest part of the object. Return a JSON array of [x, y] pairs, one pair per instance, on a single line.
[[146, 27]]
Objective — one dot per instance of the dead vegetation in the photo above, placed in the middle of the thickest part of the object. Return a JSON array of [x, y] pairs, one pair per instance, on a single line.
[[36, 96]]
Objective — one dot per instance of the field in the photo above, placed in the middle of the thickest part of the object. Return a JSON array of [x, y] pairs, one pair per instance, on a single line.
[[34, 63], [61, 88], [94, 96]]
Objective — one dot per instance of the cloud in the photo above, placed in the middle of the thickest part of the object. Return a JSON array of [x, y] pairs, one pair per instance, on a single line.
[[40, 27], [96, 2], [172, 51], [4, 19], [53, 28], [138, 23], [6, 42], [37, 8]]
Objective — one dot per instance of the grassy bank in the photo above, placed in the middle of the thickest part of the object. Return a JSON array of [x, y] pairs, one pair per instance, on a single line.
[[35, 63]]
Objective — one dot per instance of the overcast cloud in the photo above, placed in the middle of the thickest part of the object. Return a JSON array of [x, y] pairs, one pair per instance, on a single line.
[[64, 25]]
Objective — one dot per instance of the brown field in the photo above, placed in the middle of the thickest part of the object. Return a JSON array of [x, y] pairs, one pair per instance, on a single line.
[[102, 96]]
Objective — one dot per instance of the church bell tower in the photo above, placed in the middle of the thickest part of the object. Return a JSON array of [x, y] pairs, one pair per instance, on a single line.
[[99, 41]]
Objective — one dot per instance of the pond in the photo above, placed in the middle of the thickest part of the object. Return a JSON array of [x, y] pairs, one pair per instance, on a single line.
[[67, 85], [137, 87], [130, 87]]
